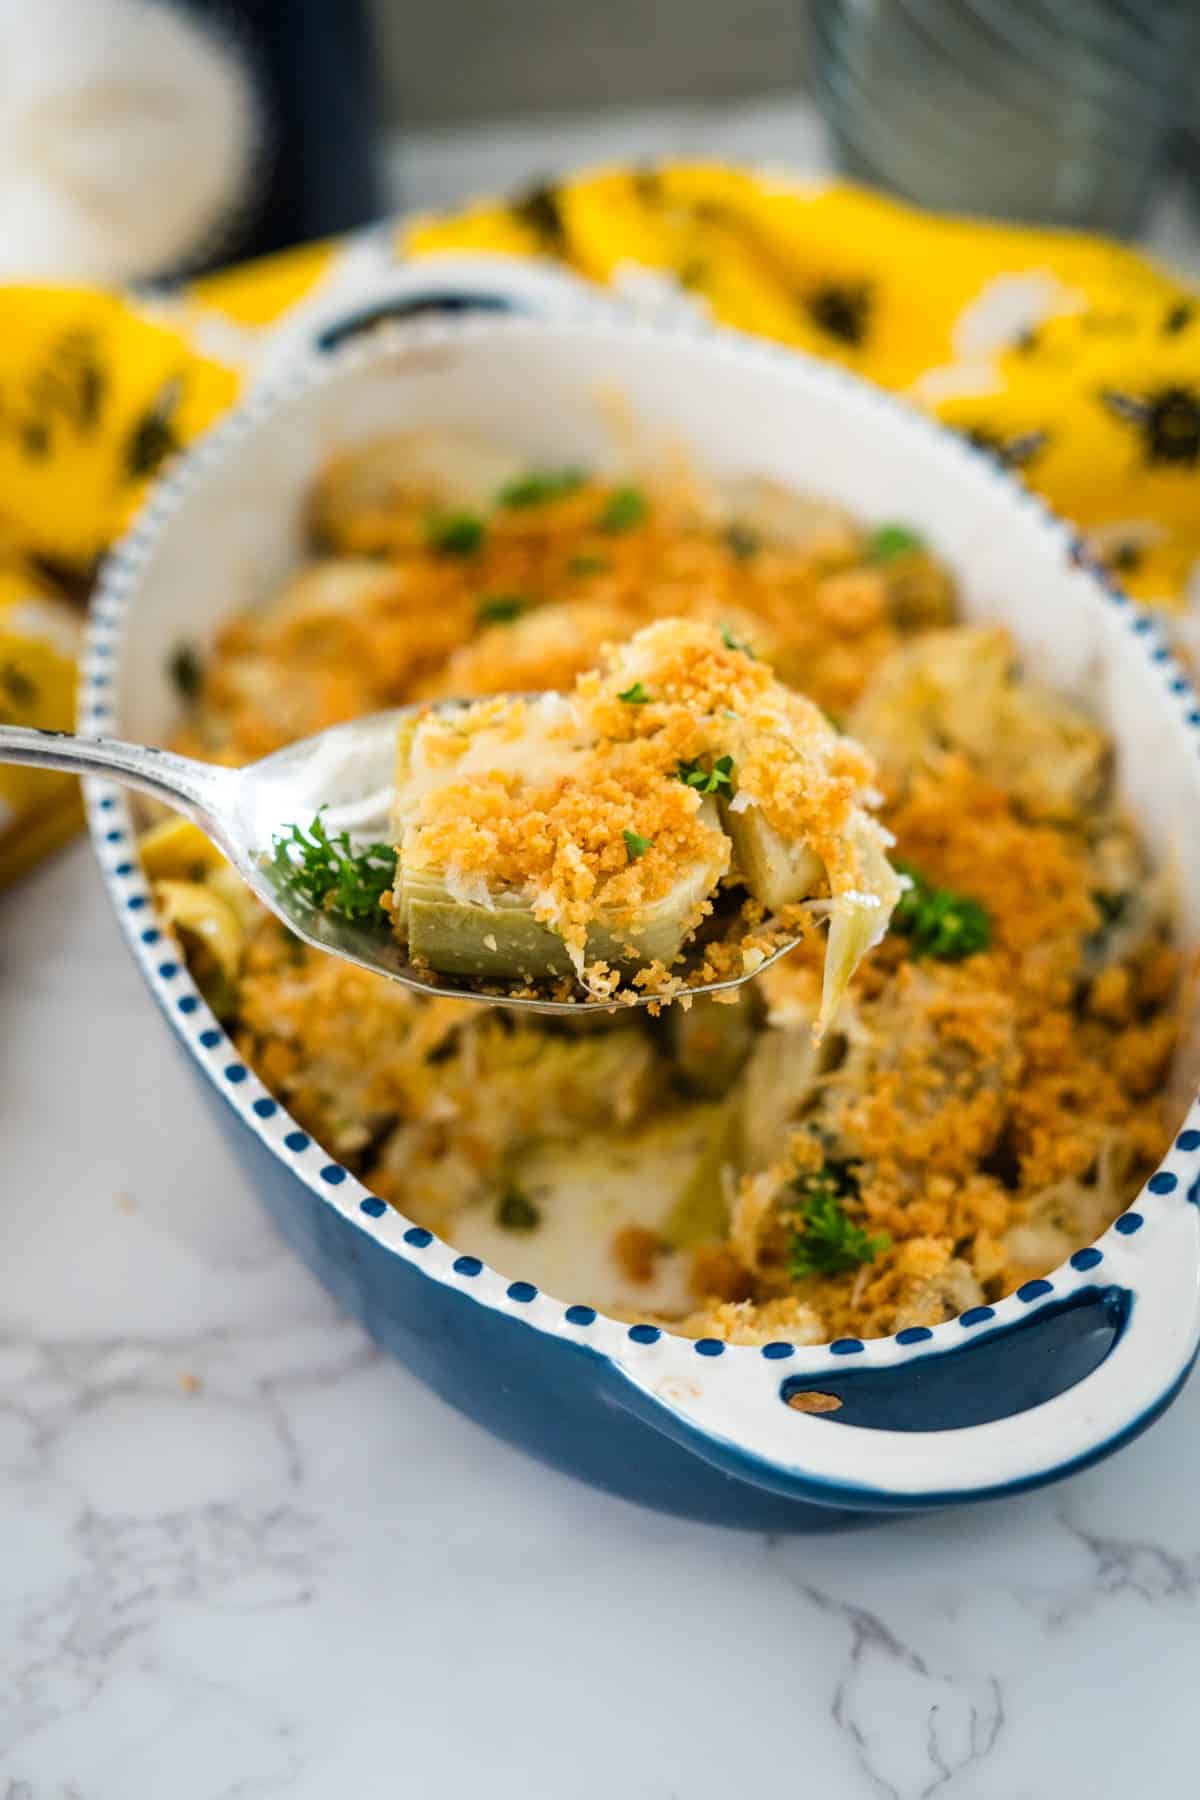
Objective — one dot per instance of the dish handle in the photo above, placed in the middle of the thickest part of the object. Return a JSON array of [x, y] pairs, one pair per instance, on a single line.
[[367, 290], [784, 1417]]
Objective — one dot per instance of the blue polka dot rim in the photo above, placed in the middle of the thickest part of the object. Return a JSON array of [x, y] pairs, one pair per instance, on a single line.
[[110, 612]]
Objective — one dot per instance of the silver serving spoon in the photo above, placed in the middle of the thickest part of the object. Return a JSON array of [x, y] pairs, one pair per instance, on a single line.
[[348, 770]]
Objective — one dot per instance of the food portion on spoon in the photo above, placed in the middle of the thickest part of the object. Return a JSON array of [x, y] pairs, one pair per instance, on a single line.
[[671, 823]]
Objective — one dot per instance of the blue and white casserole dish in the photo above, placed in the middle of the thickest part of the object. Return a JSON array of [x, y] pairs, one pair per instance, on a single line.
[[1006, 1396]]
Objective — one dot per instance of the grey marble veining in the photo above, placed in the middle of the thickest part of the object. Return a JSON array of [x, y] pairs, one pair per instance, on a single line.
[[248, 1554], [248, 1558]]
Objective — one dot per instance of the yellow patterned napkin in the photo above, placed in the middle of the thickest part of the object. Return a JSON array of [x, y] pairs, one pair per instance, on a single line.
[[94, 396], [1073, 360]]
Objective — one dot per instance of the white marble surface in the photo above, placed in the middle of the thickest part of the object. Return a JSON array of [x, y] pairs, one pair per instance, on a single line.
[[247, 1557]]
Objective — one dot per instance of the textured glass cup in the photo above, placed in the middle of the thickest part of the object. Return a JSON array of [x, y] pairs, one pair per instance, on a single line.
[[1056, 113]]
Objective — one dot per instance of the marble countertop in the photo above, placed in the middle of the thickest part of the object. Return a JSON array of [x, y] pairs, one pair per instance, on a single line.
[[250, 1558]]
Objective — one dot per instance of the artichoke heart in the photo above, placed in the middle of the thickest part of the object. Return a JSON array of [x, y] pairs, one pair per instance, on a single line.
[[588, 833], [501, 937]]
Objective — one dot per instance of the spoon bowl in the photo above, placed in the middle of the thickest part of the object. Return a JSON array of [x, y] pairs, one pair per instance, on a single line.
[[345, 772]]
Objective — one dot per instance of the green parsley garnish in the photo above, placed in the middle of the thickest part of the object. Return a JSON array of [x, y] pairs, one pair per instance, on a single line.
[[330, 873], [515, 1211], [742, 541], [636, 846], [939, 922], [827, 1241], [587, 565], [455, 534], [186, 671], [635, 695], [1111, 907], [501, 609], [716, 780], [624, 508], [731, 643], [893, 540], [537, 489]]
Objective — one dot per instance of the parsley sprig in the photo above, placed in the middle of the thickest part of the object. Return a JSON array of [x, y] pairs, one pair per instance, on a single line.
[[501, 609], [330, 873], [636, 846], [717, 780], [742, 541], [827, 1241], [939, 922], [186, 671], [455, 534], [888, 541], [624, 508], [515, 1211], [635, 695], [540, 486]]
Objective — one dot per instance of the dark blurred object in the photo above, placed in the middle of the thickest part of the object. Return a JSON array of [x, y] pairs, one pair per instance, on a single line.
[[1054, 111], [319, 170], [1187, 144]]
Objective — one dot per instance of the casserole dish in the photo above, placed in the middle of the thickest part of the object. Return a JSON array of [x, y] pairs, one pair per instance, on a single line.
[[1005, 1396]]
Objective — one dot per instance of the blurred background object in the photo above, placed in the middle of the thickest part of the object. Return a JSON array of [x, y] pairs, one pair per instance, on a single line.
[[313, 67], [1058, 112], [469, 59], [143, 138], [1055, 112], [127, 138], [1188, 137]]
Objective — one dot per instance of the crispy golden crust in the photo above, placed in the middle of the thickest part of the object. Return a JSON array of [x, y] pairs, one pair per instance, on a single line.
[[996, 1112], [513, 796]]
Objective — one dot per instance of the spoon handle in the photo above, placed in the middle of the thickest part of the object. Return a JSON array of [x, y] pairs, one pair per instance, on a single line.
[[201, 790]]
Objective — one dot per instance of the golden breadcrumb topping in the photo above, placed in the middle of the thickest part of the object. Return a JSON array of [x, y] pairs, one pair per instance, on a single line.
[[989, 1097], [582, 803]]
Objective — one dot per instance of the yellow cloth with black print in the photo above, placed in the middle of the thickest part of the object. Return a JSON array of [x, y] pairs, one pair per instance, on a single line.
[[1073, 360]]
